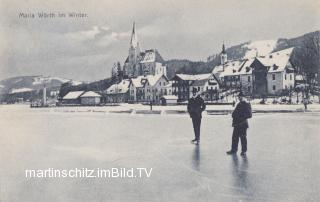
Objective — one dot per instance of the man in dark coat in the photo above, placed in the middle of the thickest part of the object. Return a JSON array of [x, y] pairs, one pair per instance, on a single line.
[[240, 125], [196, 106]]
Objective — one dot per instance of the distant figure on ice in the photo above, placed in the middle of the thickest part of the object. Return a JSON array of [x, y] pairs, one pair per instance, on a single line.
[[241, 113], [305, 103], [150, 105], [196, 106]]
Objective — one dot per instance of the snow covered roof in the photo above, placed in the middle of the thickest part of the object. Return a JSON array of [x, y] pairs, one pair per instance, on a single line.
[[90, 94], [277, 61], [231, 68], [20, 90], [140, 81], [170, 97], [246, 67], [153, 79], [121, 87], [73, 95], [192, 77], [137, 82]]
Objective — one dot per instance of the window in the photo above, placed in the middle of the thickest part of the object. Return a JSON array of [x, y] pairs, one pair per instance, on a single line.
[[249, 89], [273, 77], [290, 77], [249, 78], [285, 76], [273, 87]]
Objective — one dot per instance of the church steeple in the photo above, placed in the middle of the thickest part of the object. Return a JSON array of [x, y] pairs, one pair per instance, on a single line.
[[223, 49], [134, 38], [223, 55]]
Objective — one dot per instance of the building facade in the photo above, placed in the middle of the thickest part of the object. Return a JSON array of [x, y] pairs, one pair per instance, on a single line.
[[183, 84], [118, 93], [148, 88]]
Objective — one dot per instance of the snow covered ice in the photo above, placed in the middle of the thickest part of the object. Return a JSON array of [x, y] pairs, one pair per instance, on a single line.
[[282, 163]]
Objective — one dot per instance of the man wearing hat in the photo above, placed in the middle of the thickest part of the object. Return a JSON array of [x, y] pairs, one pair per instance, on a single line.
[[196, 106], [240, 125]]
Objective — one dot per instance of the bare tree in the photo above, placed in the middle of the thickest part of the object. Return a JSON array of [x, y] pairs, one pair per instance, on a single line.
[[307, 61]]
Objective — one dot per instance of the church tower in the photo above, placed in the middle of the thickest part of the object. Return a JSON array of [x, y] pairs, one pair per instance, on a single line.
[[134, 53], [223, 55]]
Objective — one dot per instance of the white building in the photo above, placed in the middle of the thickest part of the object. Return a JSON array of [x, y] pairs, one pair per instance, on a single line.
[[148, 88], [90, 98], [118, 92]]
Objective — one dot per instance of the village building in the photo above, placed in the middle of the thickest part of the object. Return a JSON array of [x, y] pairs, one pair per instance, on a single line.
[[118, 92], [183, 84], [260, 76], [90, 98], [72, 98], [139, 63], [148, 88], [273, 73]]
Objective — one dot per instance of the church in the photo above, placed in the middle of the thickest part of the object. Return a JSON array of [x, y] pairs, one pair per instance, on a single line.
[[139, 63]]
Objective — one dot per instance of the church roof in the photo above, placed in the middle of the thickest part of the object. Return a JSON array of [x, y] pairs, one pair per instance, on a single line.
[[152, 55]]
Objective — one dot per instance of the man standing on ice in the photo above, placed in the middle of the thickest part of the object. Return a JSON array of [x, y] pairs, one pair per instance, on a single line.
[[196, 106], [240, 125]]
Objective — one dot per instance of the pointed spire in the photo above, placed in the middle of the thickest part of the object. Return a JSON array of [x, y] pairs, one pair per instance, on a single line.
[[223, 48], [134, 39]]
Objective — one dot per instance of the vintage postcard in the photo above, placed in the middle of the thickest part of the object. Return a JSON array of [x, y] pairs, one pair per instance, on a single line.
[[140, 100]]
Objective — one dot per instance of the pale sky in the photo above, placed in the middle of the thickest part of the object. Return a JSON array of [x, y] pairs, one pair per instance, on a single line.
[[86, 48]]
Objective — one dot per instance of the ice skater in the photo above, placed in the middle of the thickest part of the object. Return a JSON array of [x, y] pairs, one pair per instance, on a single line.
[[240, 125], [196, 106]]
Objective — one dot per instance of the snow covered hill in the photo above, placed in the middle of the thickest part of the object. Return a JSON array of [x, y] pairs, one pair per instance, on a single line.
[[259, 48], [31, 83]]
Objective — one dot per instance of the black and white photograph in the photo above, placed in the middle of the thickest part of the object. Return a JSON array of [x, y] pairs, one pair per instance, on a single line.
[[141, 100]]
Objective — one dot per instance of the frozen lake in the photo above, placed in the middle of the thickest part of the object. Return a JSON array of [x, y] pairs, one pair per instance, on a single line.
[[282, 163]]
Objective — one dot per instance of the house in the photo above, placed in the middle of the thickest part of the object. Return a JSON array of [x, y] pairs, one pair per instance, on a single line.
[[138, 62], [148, 88], [118, 92], [182, 84], [208, 87], [72, 98], [273, 73], [90, 98]]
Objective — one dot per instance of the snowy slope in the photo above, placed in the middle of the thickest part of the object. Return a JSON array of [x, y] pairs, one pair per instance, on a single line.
[[30, 83], [259, 48]]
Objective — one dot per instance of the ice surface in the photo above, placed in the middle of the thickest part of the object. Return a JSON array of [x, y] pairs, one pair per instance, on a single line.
[[282, 162]]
